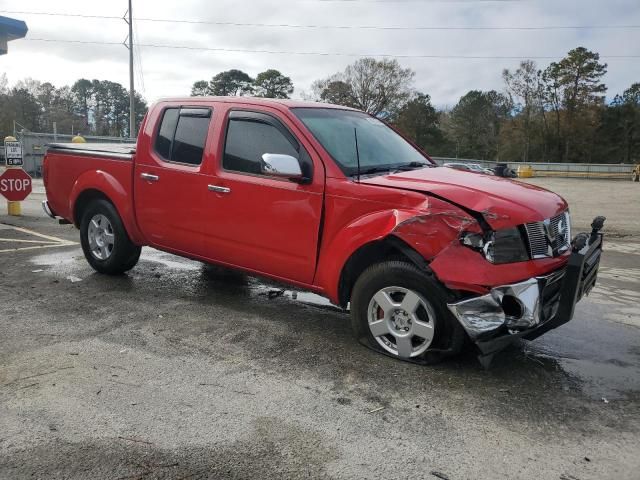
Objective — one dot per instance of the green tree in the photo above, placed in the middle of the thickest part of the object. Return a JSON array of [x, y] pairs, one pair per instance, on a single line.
[[200, 89], [618, 136], [574, 86], [419, 121], [83, 90], [231, 83], [474, 123], [334, 91], [272, 84]]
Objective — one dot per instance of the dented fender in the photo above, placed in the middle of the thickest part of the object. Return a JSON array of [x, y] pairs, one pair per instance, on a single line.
[[429, 230]]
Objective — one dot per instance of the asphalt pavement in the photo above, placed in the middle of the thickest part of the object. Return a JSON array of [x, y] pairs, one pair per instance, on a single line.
[[180, 370]]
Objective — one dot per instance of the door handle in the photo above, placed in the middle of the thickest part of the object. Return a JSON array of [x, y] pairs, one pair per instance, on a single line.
[[219, 189], [150, 177]]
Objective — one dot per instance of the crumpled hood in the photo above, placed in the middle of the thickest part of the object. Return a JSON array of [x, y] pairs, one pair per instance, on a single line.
[[503, 202]]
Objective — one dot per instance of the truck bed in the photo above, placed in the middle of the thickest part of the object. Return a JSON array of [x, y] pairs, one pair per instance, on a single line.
[[124, 151], [70, 167]]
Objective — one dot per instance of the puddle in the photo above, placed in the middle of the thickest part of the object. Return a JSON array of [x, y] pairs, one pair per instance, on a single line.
[[60, 263], [170, 261], [599, 359]]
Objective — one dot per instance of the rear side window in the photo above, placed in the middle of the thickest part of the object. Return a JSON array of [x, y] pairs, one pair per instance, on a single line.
[[248, 140], [183, 134], [166, 132]]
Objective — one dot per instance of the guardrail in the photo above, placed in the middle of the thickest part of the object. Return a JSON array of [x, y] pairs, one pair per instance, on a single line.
[[565, 170]]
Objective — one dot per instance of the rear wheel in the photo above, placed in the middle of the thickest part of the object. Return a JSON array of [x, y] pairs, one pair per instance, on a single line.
[[401, 311], [105, 242]]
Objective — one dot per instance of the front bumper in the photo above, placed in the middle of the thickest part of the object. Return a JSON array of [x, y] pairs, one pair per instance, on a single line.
[[530, 308]]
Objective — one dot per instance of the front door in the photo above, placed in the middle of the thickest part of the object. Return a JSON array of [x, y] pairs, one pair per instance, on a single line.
[[259, 222], [168, 184]]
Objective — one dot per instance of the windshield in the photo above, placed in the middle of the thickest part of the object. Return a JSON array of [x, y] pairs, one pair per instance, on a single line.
[[380, 148]]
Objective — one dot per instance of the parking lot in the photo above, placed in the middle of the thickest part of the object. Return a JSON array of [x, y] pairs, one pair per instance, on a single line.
[[180, 370]]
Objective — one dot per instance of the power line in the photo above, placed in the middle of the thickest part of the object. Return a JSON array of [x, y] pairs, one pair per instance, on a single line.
[[326, 54], [138, 56], [334, 27]]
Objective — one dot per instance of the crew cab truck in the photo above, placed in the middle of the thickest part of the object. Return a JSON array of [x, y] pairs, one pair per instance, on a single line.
[[334, 201]]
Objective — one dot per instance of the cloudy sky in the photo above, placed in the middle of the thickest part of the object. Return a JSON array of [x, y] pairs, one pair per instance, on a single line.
[[171, 71]]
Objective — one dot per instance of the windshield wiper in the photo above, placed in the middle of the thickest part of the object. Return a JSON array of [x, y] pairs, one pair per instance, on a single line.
[[392, 168], [411, 166], [370, 170]]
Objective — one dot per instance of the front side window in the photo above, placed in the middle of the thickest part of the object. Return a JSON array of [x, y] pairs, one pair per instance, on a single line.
[[183, 135], [247, 140], [349, 136]]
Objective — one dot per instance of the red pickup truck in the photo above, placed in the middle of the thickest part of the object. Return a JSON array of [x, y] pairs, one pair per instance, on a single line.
[[331, 200]]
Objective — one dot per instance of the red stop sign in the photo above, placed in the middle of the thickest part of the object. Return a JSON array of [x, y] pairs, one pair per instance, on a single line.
[[15, 184]]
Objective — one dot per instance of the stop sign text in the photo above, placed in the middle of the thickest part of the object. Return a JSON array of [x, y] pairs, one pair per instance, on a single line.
[[15, 184]]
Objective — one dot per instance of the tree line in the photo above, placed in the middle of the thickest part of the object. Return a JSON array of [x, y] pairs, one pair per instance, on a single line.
[[88, 107], [554, 113]]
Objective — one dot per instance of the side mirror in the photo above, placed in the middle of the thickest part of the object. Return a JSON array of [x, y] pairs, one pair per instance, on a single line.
[[283, 166]]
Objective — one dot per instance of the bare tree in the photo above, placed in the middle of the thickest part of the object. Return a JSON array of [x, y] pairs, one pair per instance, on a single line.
[[524, 87], [379, 87]]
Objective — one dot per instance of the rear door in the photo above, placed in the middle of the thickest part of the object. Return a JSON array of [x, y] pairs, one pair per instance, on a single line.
[[259, 222], [169, 184]]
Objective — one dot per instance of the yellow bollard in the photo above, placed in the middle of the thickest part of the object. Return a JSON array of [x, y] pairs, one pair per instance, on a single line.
[[525, 171], [78, 139], [13, 208]]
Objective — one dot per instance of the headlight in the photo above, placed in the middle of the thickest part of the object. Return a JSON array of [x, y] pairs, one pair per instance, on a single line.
[[502, 246]]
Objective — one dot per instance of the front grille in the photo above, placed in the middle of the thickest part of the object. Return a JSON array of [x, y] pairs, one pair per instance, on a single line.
[[550, 237]]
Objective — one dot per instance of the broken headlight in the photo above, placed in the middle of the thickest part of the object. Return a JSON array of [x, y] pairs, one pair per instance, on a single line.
[[502, 246]]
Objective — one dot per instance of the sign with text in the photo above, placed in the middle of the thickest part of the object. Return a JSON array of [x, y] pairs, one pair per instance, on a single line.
[[13, 154], [15, 184]]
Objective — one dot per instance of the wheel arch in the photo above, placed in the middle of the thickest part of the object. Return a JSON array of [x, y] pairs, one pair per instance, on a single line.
[[101, 185], [389, 247]]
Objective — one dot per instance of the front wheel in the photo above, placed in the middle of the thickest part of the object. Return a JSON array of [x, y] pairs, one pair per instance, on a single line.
[[105, 242], [401, 311]]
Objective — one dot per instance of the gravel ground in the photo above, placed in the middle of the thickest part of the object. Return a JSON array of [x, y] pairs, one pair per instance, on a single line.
[[618, 200], [178, 370]]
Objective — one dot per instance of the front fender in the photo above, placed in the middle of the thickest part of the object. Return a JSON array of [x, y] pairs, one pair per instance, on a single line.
[[366, 229], [428, 231], [113, 189]]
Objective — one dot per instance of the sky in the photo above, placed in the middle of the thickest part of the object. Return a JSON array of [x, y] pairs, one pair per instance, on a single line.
[[164, 72]]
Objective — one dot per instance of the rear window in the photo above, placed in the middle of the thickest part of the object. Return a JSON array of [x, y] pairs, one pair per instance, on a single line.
[[183, 135], [166, 132]]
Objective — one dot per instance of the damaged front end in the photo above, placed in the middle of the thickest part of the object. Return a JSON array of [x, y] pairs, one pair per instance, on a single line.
[[529, 308]]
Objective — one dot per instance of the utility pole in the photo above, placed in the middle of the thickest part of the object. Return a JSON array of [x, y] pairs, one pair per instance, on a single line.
[[132, 107]]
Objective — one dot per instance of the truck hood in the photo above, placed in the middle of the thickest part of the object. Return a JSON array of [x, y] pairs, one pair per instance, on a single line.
[[502, 202]]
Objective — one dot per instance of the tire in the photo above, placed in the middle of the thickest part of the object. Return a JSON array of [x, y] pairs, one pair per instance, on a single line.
[[105, 242], [397, 282], [636, 177]]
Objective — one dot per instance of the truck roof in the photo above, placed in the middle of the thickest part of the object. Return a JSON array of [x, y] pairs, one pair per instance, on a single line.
[[277, 102]]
